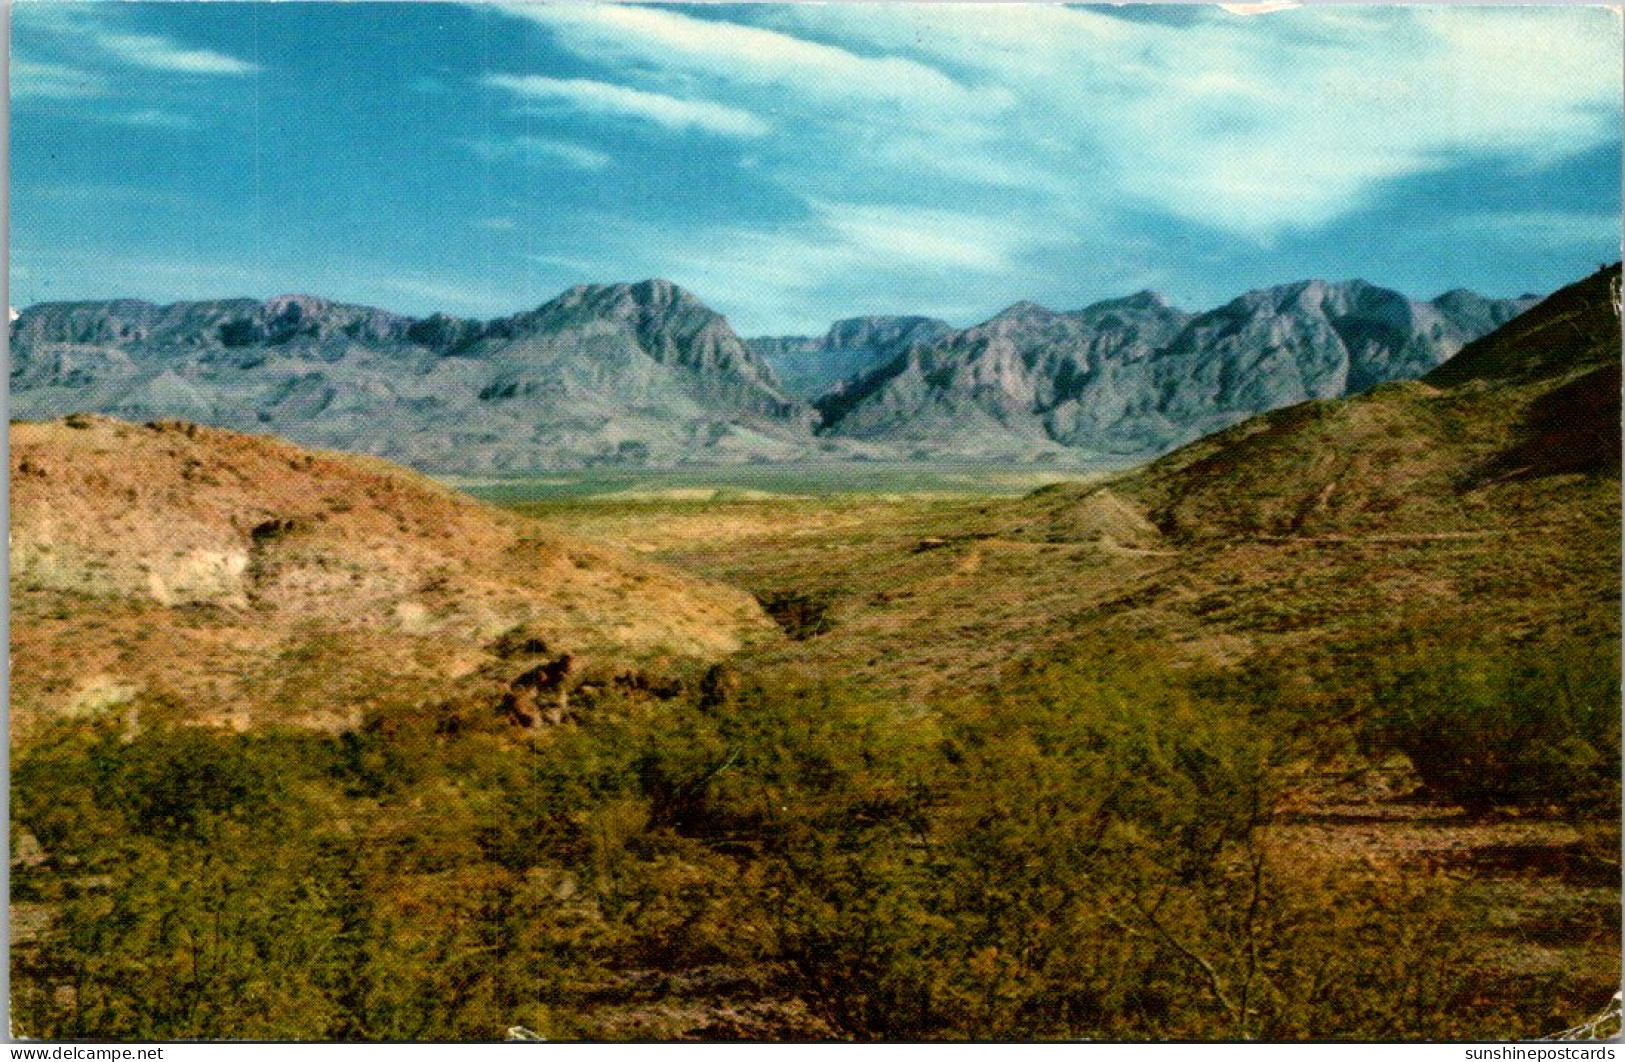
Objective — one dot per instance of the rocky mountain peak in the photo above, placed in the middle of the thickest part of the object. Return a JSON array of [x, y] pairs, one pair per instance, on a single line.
[[1020, 316], [657, 291], [882, 331], [1023, 309], [1145, 299], [1140, 303], [296, 306]]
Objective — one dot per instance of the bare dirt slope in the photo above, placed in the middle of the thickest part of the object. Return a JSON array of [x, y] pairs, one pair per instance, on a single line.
[[255, 581]]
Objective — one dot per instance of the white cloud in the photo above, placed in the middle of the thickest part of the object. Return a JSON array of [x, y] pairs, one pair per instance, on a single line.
[[941, 237], [748, 55], [599, 97], [1267, 7], [154, 118], [540, 150], [91, 27], [1302, 130], [32, 80], [1253, 125], [161, 53]]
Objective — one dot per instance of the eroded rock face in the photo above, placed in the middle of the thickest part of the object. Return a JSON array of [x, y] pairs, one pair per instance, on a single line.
[[244, 574], [646, 374], [1136, 376], [637, 373]]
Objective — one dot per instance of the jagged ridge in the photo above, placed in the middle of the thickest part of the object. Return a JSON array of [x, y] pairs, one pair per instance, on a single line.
[[642, 372], [1136, 376]]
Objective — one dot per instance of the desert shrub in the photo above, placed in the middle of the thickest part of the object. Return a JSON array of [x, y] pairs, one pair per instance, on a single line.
[[54, 793], [1508, 728], [174, 780], [803, 615], [181, 940], [1086, 851], [979, 886]]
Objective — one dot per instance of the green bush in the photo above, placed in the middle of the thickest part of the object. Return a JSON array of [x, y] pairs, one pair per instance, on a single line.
[[1510, 728], [1084, 853]]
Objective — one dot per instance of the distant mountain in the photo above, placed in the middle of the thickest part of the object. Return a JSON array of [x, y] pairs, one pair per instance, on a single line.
[[646, 374], [1135, 376], [810, 366], [1482, 441], [1030, 380], [626, 372]]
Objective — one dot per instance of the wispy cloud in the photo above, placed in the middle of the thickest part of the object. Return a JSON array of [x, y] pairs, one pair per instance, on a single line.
[[155, 118], [56, 81], [87, 44], [749, 55], [497, 224], [1257, 125], [940, 237], [541, 150], [600, 97], [163, 53]]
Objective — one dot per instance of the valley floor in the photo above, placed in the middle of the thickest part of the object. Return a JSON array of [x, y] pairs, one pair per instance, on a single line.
[[920, 600]]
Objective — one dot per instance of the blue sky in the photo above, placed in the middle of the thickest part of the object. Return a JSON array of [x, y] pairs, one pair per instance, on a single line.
[[796, 163]]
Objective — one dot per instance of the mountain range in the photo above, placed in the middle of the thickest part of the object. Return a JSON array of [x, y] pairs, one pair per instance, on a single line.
[[626, 372], [647, 374], [1136, 376]]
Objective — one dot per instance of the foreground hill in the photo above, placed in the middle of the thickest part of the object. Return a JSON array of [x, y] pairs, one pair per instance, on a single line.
[[1135, 376], [624, 372], [254, 581]]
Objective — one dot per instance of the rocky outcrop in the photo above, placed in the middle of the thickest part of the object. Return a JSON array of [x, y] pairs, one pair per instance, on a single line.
[[325, 583]]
